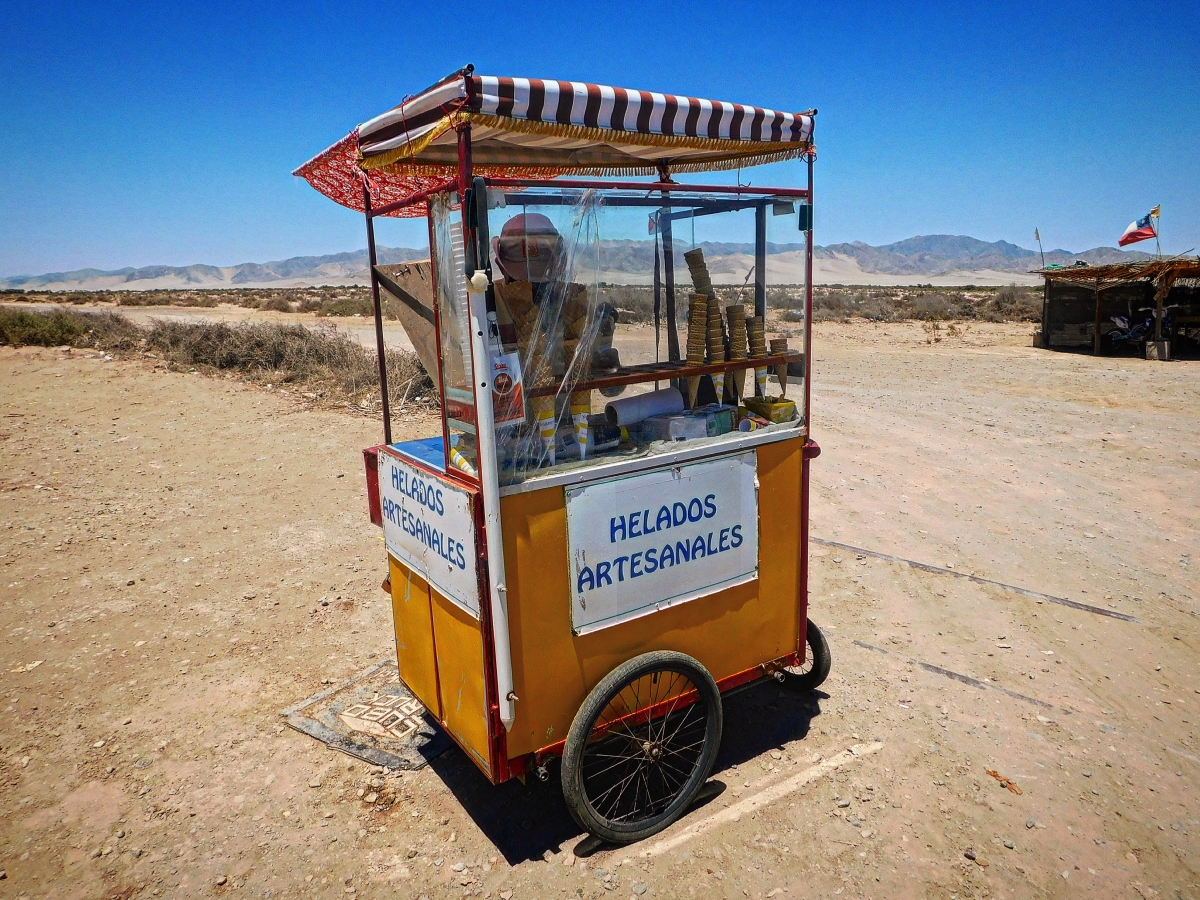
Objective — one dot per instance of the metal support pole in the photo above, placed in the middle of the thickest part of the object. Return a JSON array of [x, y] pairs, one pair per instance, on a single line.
[[380, 349], [485, 442], [669, 275], [1096, 335], [808, 305], [760, 260]]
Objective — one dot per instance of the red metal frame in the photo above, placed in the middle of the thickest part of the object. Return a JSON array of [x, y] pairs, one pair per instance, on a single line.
[[374, 505], [648, 186], [418, 197]]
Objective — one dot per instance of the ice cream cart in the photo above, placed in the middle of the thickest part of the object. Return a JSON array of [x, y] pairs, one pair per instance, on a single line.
[[611, 529]]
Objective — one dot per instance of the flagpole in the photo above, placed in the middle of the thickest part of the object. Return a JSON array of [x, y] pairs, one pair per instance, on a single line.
[[1037, 234]]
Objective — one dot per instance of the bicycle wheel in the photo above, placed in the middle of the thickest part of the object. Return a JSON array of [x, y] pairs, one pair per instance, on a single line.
[[642, 746], [812, 673]]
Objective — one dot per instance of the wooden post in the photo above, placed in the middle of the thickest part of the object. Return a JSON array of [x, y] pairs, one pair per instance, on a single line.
[[1046, 315], [1096, 336]]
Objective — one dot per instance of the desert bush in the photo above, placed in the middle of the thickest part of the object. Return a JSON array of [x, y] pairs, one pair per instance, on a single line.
[[347, 306], [61, 327], [323, 360], [21, 328], [317, 358], [276, 303], [110, 332], [202, 299], [1019, 304]]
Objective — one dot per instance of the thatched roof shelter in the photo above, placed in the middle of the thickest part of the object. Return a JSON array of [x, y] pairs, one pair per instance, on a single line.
[[1080, 300], [1163, 273]]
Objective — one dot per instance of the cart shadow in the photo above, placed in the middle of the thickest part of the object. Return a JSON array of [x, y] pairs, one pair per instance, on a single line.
[[524, 821]]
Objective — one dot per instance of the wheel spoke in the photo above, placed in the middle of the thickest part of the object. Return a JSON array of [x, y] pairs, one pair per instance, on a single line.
[[622, 784], [645, 747]]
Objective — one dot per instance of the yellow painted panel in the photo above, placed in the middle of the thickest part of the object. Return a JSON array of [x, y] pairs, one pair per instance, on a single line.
[[729, 631], [414, 634], [459, 643]]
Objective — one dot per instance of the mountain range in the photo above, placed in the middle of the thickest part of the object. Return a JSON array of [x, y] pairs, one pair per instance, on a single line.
[[935, 258]]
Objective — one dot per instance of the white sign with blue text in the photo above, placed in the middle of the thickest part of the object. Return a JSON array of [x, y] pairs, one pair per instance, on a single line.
[[643, 543], [428, 525]]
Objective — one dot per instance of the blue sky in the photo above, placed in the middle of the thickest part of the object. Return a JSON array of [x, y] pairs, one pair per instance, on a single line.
[[135, 134]]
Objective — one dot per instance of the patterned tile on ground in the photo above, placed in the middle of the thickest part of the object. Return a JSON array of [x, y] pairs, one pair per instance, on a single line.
[[373, 717]]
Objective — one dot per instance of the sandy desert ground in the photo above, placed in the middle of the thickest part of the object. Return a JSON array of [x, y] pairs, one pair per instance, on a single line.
[[181, 557]]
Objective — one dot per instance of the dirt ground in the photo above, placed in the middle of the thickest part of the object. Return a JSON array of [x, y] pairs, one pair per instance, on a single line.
[[181, 557]]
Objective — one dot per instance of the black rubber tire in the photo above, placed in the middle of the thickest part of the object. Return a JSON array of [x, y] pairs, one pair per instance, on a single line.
[[817, 661], [582, 749]]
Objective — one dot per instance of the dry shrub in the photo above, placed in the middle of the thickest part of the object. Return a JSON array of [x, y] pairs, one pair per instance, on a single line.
[[197, 298], [316, 358], [348, 306], [926, 304], [322, 361], [21, 328], [276, 303], [1018, 304]]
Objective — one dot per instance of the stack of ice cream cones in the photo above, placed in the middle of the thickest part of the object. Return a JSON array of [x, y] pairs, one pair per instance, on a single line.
[[716, 346], [737, 343], [697, 323], [699, 271], [778, 346], [756, 330]]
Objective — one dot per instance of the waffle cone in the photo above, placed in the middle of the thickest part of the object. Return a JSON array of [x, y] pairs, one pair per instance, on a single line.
[[780, 345], [739, 382]]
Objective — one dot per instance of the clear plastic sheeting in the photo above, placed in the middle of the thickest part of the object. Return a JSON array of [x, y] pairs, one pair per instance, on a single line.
[[457, 374], [598, 296]]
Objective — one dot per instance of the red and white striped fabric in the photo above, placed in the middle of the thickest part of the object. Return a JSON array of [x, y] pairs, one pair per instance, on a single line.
[[638, 112], [551, 128]]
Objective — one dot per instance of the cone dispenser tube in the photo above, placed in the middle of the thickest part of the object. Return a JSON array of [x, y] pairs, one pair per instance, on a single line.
[[736, 314], [631, 410], [697, 322], [756, 332]]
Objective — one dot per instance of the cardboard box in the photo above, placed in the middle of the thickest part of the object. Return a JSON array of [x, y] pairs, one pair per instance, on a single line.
[[673, 428]]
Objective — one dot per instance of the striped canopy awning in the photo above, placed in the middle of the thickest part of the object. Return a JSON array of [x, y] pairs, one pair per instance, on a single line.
[[534, 127]]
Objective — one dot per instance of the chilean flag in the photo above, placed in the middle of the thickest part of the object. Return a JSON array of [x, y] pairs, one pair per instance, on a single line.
[[1141, 230]]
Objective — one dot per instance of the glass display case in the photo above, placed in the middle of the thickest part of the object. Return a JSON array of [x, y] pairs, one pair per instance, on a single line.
[[622, 325]]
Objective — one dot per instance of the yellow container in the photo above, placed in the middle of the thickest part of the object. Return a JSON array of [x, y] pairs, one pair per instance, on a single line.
[[773, 409]]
